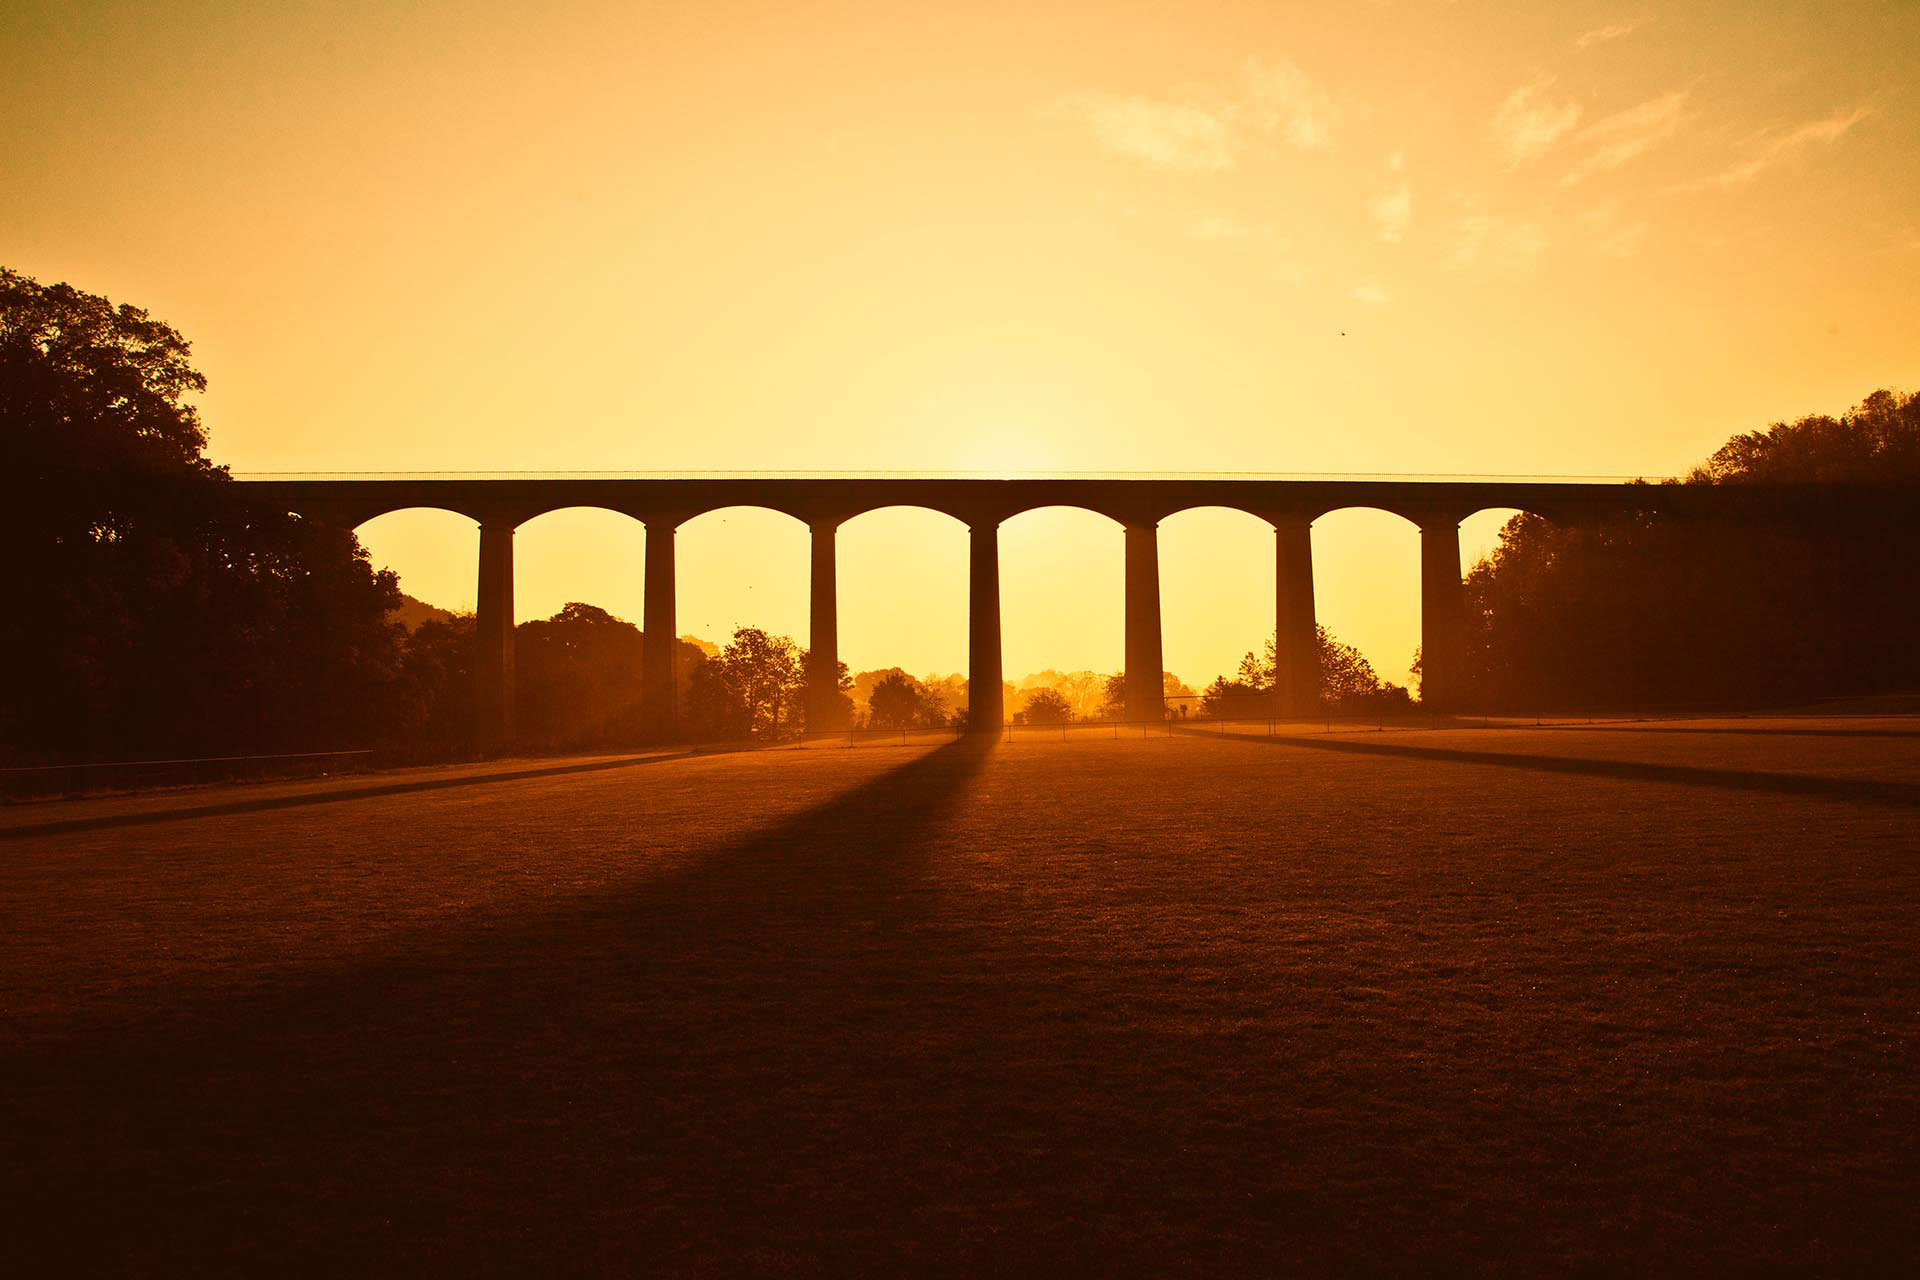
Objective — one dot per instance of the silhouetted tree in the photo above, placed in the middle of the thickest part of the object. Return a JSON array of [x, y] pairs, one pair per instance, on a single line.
[[577, 677], [752, 689], [840, 715], [1347, 681], [899, 701], [151, 609], [1047, 706], [437, 676], [1226, 699], [1650, 611]]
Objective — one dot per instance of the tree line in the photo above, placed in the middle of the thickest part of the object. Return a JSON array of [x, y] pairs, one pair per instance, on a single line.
[[1651, 611], [155, 611]]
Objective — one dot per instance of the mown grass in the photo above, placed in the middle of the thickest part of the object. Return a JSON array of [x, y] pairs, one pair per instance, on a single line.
[[1617, 1002]]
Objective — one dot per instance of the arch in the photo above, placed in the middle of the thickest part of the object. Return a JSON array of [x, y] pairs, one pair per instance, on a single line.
[[742, 565], [360, 522], [538, 511], [1255, 510], [696, 511], [1063, 592], [1017, 511], [1216, 590], [960, 511], [1480, 531], [591, 554], [434, 550], [1367, 584], [903, 591]]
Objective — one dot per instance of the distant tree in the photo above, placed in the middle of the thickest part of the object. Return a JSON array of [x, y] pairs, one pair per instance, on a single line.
[[438, 682], [1113, 701], [577, 676], [1047, 706], [840, 715], [1347, 679], [1085, 691], [712, 707], [151, 608], [897, 701], [951, 691], [1226, 699], [752, 689]]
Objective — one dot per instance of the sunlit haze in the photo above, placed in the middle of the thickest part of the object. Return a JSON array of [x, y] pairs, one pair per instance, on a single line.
[[1415, 237]]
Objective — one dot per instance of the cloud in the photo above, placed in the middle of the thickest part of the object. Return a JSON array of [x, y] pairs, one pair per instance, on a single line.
[[1180, 137], [1769, 149], [1393, 213], [1526, 124], [1204, 132], [1608, 235], [1497, 244], [1612, 31], [1277, 97], [1626, 135], [1371, 295]]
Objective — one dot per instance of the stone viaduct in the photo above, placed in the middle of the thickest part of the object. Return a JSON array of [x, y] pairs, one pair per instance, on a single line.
[[499, 505]]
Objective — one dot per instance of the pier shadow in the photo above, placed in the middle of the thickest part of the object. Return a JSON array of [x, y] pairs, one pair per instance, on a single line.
[[694, 1037], [813, 1051], [1851, 790], [331, 795]]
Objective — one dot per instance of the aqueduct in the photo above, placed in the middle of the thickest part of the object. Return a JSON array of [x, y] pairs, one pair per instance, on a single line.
[[499, 505]]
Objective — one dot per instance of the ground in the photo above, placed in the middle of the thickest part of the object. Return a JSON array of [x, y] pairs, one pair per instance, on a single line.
[[1509, 999]]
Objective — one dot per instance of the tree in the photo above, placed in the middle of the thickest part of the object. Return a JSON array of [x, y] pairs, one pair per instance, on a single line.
[[839, 715], [1086, 691], [151, 608], [752, 689], [1648, 611], [1226, 699], [1047, 706], [898, 701], [437, 678], [1346, 678], [577, 677]]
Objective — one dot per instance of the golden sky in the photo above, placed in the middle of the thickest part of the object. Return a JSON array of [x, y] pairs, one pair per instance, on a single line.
[[1404, 237]]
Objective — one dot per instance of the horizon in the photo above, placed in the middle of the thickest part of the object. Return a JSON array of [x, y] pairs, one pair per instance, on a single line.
[[1401, 238], [1005, 722]]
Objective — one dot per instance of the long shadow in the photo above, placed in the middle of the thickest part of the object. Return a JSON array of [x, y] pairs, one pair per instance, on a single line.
[[806, 1052], [263, 803], [1854, 790], [1749, 731], [693, 1036]]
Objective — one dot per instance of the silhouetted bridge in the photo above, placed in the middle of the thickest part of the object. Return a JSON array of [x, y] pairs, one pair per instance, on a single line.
[[500, 504]]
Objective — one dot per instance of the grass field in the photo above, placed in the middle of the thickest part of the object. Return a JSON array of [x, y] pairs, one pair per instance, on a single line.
[[1609, 998]]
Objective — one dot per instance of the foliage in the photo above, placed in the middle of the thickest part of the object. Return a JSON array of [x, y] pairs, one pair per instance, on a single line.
[[1047, 706], [1226, 699], [1649, 612], [577, 677], [1347, 681], [751, 690], [151, 609], [899, 701]]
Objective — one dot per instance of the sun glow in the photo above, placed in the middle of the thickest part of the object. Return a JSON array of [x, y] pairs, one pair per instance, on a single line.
[[1073, 239]]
